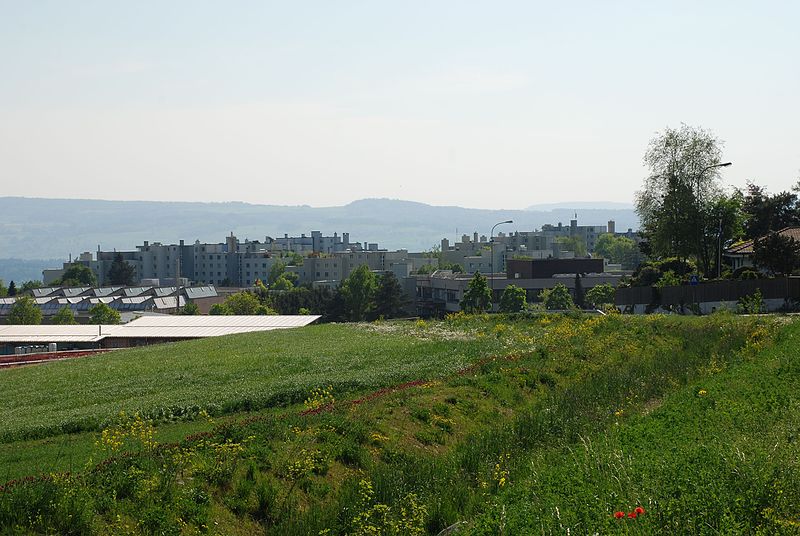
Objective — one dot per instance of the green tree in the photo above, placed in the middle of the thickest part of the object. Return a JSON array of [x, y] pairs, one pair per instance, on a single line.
[[275, 272], [28, 286], [121, 272], [190, 309], [390, 300], [101, 313], [426, 269], [25, 312], [454, 267], [12, 289], [668, 279], [64, 317], [358, 291], [220, 309], [765, 212], [78, 275], [676, 202], [557, 298], [264, 310], [3, 289], [282, 283], [477, 298], [777, 253], [295, 259], [242, 303], [600, 295], [619, 250], [576, 244], [513, 299]]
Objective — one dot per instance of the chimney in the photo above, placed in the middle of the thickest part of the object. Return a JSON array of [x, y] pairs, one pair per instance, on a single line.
[[611, 226]]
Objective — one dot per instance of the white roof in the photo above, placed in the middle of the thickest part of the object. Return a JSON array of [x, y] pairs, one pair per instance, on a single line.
[[178, 332], [154, 326], [75, 333], [260, 321]]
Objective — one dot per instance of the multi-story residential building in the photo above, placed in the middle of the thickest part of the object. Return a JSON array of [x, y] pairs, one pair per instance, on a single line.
[[231, 263], [316, 243]]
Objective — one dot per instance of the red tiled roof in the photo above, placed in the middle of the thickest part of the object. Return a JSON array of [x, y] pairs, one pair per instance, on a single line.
[[746, 248]]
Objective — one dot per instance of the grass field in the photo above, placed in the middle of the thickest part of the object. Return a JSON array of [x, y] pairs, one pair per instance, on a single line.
[[224, 375], [518, 426]]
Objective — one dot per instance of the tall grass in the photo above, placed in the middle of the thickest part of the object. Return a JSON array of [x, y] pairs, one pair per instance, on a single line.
[[538, 434]]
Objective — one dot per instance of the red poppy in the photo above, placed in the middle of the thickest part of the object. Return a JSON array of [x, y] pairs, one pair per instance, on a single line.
[[619, 515], [632, 515], [639, 510]]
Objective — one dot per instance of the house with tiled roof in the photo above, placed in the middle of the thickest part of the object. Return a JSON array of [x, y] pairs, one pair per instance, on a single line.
[[741, 253]]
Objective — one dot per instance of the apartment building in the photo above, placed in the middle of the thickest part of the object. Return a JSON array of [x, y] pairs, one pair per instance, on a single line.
[[229, 263]]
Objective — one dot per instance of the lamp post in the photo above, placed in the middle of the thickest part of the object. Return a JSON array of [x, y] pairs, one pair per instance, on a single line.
[[702, 226], [491, 245]]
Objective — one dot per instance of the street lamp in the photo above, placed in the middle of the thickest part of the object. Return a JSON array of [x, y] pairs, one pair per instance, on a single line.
[[702, 227], [491, 245]]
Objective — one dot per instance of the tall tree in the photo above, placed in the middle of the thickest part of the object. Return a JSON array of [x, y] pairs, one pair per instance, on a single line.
[[12, 289], [477, 298], [3, 289], [390, 300], [677, 197], [358, 291], [120, 272], [25, 312]]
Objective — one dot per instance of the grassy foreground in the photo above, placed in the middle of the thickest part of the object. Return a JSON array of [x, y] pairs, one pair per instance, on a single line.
[[551, 424], [223, 375]]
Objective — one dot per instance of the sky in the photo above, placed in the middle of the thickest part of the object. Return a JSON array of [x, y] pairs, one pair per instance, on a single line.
[[480, 104]]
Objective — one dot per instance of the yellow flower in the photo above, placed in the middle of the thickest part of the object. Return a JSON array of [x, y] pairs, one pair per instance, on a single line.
[[702, 392]]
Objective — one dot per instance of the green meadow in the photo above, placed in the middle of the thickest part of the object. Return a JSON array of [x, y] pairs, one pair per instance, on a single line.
[[473, 424]]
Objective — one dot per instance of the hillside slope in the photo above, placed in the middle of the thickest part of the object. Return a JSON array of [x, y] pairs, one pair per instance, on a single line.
[[557, 423]]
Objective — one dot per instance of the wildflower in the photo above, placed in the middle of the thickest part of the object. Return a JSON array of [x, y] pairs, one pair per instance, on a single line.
[[632, 515], [702, 392], [619, 515], [639, 510]]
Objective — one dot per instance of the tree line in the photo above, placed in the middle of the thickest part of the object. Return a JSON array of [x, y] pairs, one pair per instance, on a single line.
[[688, 216], [363, 295]]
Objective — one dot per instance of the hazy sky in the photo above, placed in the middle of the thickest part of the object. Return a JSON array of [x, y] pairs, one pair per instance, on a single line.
[[480, 104]]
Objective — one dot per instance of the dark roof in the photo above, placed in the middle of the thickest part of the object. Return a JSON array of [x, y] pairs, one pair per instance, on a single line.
[[746, 248]]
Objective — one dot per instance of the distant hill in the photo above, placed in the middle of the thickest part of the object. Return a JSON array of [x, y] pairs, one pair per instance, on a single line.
[[19, 270], [34, 228], [583, 205]]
